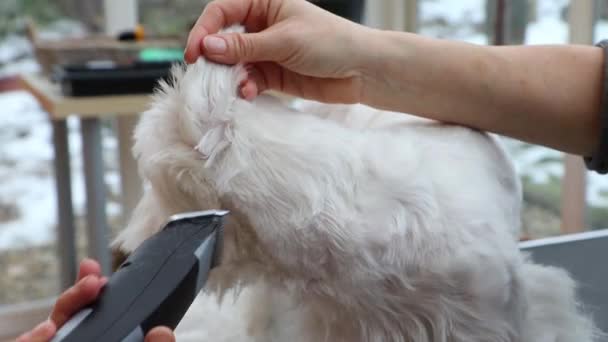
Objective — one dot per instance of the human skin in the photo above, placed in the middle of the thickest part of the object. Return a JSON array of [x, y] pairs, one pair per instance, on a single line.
[[548, 95], [86, 289]]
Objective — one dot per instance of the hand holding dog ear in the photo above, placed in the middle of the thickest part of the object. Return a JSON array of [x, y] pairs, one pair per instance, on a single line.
[[87, 288], [291, 46]]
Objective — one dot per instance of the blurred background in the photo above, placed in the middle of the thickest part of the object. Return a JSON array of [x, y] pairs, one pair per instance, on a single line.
[[560, 196]]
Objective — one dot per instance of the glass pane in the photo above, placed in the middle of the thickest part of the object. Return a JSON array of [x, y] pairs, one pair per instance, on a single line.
[[27, 202], [597, 185], [526, 22], [458, 20], [28, 215], [549, 22], [542, 169], [170, 17]]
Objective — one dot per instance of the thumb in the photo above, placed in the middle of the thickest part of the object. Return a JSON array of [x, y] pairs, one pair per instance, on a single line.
[[233, 48]]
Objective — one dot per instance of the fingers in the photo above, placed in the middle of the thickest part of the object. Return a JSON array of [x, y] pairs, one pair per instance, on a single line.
[[193, 50], [216, 15], [160, 334], [258, 78], [250, 90], [88, 267], [75, 298], [42, 333], [232, 48], [265, 76], [85, 291]]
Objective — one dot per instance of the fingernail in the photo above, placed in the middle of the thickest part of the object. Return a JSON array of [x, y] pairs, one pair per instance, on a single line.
[[89, 279], [104, 281], [215, 44]]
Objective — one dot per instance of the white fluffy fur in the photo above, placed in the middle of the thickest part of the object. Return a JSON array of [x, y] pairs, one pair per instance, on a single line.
[[347, 223]]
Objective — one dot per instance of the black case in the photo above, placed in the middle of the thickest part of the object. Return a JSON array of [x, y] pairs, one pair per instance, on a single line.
[[97, 80]]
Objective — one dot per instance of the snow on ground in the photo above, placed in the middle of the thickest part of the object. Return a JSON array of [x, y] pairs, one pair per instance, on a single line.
[[461, 18], [26, 174], [26, 171], [549, 28], [10, 49]]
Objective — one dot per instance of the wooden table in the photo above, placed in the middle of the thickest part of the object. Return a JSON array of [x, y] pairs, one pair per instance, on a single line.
[[90, 111]]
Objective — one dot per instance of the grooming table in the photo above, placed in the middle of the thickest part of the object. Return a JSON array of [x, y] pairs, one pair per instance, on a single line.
[[89, 110], [584, 256]]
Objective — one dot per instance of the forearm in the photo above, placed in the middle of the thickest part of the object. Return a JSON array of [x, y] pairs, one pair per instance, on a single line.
[[546, 95]]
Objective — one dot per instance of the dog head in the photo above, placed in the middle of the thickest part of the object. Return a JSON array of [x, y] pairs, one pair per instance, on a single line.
[[187, 125]]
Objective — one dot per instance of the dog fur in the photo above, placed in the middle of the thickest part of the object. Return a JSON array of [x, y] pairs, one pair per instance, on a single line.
[[347, 223]]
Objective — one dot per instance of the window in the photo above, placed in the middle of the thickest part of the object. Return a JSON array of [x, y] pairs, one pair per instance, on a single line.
[[541, 169], [28, 214], [170, 17]]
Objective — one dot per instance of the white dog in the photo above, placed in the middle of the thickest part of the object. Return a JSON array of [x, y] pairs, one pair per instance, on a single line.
[[346, 224]]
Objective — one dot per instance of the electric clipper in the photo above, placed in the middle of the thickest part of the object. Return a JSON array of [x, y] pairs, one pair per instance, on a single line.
[[155, 285]]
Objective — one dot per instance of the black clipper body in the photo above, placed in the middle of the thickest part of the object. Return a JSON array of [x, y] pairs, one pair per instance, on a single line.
[[155, 285]]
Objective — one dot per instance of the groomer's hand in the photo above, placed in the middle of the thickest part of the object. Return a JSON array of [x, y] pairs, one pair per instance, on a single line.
[[84, 292], [292, 46]]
